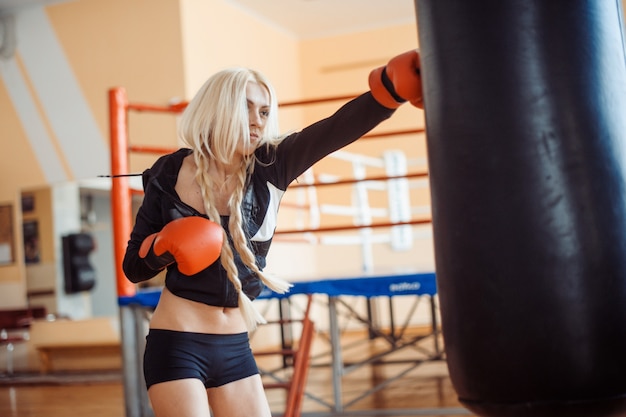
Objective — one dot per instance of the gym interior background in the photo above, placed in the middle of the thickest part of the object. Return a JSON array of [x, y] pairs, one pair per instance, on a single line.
[[55, 130]]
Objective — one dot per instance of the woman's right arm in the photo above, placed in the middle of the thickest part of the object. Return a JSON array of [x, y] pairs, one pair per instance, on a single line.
[[148, 221]]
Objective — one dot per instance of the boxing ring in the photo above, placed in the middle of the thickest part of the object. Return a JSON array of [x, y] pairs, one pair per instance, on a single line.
[[366, 283]]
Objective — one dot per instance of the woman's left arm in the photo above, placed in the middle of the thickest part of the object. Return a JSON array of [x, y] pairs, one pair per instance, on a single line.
[[300, 150], [391, 85]]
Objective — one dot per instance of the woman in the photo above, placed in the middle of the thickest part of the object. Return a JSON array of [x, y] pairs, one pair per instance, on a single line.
[[234, 170]]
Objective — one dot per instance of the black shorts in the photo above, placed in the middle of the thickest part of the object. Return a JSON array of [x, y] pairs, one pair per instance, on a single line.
[[215, 359]]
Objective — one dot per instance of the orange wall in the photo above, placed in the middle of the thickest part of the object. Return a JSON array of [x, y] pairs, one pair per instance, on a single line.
[[16, 171], [134, 44], [217, 35]]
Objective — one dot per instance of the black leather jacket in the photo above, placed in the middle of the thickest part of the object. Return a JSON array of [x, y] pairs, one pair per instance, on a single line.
[[265, 187]]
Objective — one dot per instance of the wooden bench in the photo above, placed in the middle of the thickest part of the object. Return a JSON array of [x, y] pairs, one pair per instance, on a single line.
[[84, 342], [76, 351]]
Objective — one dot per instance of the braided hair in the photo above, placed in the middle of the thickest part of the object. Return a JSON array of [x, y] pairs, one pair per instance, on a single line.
[[213, 123]]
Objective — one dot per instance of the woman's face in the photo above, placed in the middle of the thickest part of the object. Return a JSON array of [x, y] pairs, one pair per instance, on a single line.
[[258, 111]]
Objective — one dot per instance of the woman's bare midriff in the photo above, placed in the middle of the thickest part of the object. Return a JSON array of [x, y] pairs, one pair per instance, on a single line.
[[176, 313]]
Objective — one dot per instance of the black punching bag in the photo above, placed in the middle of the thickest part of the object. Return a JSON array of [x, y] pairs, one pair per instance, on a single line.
[[78, 272], [526, 121]]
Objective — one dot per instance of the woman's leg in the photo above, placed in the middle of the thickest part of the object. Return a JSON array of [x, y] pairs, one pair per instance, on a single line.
[[179, 398], [241, 398]]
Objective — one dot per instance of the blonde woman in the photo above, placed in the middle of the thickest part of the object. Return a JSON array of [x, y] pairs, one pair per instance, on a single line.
[[209, 215]]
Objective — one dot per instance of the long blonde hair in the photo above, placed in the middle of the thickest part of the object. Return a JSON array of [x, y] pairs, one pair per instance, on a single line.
[[215, 120]]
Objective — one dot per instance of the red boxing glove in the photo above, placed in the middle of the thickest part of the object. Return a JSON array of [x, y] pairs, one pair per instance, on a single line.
[[399, 81], [193, 243]]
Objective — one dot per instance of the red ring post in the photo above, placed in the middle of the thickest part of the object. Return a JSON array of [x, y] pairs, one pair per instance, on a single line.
[[121, 204]]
